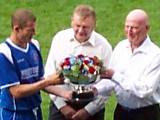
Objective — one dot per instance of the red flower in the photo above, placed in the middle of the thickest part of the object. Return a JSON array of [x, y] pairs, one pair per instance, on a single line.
[[67, 59], [91, 70], [80, 56], [86, 62], [66, 62]]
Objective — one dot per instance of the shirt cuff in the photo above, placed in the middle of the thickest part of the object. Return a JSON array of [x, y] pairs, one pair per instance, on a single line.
[[58, 101], [96, 105], [105, 87], [117, 77]]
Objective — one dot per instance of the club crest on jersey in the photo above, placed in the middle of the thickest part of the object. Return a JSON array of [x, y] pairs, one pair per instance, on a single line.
[[35, 56]]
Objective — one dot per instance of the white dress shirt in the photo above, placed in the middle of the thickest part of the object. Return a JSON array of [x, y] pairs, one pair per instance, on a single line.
[[136, 80], [63, 45]]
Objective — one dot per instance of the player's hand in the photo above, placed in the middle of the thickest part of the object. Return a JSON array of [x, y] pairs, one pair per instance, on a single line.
[[68, 112], [55, 78], [81, 114]]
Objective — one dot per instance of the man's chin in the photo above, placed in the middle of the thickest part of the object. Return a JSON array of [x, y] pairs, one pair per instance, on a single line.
[[29, 40], [82, 39]]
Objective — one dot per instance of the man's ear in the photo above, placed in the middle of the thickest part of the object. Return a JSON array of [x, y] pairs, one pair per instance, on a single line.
[[71, 21], [147, 27], [16, 28]]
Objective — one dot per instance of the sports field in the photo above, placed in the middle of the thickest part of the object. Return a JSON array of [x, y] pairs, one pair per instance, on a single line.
[[54, 15]]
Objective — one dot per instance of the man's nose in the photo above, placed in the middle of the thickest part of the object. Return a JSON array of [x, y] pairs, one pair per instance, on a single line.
[[129, 28], [80, 29]]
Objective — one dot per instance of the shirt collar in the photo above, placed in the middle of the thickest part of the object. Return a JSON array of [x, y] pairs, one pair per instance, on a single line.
[[143, 47], [16, 46]]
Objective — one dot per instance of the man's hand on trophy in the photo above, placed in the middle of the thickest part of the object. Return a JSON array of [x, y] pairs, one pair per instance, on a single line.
[[95, 91], [68, 95], [55, 78], [67, 111], [108, 73], [81, 114]]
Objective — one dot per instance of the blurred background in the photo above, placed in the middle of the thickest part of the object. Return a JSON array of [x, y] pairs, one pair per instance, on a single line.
[[55, 15]]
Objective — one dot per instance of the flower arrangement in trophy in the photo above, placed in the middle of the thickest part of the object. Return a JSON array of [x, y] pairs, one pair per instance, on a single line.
[[81, 70]]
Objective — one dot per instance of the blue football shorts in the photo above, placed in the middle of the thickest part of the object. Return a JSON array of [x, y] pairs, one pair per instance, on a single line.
[[34, 114]]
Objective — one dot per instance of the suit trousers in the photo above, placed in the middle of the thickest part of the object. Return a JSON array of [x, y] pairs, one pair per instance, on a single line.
[[55, 114], [151, 112]]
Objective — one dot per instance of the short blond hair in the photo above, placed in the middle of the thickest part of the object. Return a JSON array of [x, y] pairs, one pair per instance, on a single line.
[[85, 11]]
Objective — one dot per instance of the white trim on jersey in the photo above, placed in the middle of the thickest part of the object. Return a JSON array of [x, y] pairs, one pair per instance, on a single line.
[[8, 85], [7, 52]]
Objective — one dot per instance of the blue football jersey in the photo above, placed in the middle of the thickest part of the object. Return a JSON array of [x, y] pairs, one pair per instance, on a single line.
[[26, 68]]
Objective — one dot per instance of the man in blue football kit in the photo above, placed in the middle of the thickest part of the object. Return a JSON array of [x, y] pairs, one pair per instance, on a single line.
[[22, 72]]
